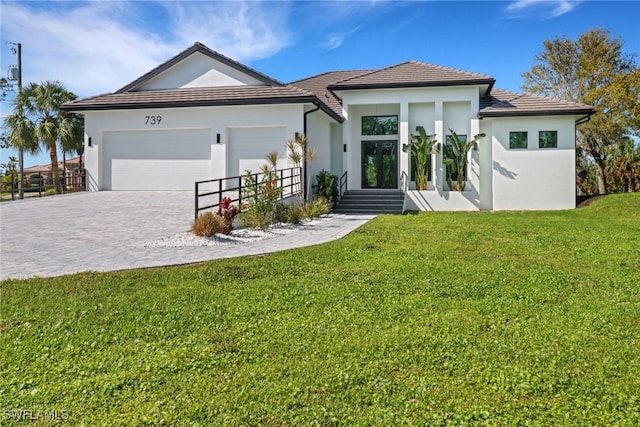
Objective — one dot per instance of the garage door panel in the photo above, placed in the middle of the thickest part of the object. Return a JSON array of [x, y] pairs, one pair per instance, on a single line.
[[249, 146], [156, 160]]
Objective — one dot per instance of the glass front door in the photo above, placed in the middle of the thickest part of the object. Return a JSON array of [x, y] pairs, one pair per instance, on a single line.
[[379, 164]]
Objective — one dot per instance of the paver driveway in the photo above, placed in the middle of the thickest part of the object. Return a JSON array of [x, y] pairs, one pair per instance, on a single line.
[[106, 231]]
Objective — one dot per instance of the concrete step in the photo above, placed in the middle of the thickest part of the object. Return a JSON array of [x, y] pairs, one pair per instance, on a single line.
[[371, 202]]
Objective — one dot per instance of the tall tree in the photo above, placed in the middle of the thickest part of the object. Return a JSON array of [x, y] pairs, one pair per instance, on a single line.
[[37, 117], [19, 130], [623, 166], [592, 70]]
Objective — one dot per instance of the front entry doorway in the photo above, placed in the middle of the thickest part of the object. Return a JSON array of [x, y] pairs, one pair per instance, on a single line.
[[379, 164]]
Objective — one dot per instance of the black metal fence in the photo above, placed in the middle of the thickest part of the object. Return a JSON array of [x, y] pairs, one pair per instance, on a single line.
[[71, 180], [209, 193]]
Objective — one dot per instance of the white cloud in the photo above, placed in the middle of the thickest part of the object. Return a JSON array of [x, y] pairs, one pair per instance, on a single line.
[[541, 8], [241, 30], [335, 40], [94, 47]]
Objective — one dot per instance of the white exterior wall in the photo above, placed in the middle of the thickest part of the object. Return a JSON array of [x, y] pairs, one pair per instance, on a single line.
[[337, 149], [216, 119], [319, 138], [199, 70], [535, 178]]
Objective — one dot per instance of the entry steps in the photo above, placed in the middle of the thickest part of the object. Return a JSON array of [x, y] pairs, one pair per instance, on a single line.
[[371, 202]]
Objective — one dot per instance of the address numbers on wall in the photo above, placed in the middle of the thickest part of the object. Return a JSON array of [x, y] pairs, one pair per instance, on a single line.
[[152, 120]]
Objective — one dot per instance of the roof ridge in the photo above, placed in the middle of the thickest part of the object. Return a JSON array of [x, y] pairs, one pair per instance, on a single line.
[[445, 67], [365, 73], [329, 72]]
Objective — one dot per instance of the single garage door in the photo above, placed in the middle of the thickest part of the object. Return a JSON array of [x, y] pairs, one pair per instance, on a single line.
[[156, 160], [249, 146]]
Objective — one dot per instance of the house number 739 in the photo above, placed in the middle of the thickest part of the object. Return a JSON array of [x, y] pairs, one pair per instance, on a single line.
[[152, 120]]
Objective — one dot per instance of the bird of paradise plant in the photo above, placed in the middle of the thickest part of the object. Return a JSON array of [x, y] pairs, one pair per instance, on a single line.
[[459, 149], [421, 147]]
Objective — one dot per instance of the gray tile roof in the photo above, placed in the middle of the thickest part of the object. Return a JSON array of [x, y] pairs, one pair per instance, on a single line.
[[194, 97], [318, 85], [502, 103], [412, 74]]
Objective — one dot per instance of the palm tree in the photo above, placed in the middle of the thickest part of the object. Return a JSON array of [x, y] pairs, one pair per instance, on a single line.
[[20, 135], [73, 140], [42, 104]]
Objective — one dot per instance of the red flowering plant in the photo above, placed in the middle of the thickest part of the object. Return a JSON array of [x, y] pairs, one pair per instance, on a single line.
[[227, 212]]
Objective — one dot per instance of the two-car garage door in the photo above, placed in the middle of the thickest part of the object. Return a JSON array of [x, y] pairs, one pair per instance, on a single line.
[[175, 159], [156, 160]]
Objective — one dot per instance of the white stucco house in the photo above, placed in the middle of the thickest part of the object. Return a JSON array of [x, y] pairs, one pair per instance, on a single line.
[[201, 115]]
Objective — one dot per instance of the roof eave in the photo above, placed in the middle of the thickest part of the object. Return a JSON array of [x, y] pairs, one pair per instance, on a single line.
[[400, 85], [70, 107], [529, 113]]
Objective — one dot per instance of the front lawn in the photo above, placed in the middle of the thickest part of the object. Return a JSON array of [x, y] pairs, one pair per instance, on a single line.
[[505, 318]]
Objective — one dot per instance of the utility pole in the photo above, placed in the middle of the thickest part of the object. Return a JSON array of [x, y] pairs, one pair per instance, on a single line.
[[20, 148]]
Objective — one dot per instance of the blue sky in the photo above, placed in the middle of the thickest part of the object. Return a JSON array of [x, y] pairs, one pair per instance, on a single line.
[[95, 47]]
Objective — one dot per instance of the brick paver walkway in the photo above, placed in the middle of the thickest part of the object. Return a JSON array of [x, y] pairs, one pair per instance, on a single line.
[[106, 231]]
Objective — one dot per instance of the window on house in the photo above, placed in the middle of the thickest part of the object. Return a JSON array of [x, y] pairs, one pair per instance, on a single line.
[[451, 171], [548, 139], [517, 140], [379, 125]]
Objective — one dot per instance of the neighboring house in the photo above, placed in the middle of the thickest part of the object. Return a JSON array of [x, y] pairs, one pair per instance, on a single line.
[[71, 167], [201, 116]]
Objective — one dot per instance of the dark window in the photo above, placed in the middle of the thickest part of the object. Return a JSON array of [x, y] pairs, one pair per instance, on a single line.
[[517, 140], [548, 139], [379, 125]]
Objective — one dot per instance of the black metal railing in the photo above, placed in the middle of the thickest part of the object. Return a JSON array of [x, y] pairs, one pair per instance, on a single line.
[[209, 193], [343, 183], [71, 180]]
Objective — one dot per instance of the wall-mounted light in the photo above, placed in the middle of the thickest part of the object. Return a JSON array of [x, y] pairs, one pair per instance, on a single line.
[[475, 146], [344, 148], [297, 135], [89, 141], [439, 146], [217, 138]]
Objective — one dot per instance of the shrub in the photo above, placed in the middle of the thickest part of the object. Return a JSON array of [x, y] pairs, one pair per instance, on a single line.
[[293, 215], [318, 207], [327, 186], [208, 224], [280, 213], [227, 212], [260, 200]]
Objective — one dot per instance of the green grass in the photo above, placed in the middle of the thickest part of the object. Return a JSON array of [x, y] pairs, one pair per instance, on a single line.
[[506, 318]]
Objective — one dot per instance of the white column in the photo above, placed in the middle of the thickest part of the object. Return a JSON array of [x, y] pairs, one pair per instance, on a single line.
[[403, 130], [353, 171], [438, 172], [474, 161]]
